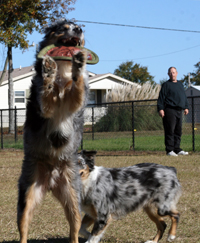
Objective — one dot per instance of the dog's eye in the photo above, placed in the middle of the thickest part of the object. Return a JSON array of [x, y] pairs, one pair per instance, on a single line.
[[81, 173], [77, 29], [59, 32]]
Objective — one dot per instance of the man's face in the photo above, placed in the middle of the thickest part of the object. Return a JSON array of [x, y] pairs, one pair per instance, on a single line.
[[172, 74]]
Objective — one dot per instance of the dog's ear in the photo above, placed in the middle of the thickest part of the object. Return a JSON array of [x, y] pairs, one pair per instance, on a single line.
[[89, 156], [89, 153]]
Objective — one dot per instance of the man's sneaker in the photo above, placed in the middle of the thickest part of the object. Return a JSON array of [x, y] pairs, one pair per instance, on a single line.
[[172, 153], [182, 153]]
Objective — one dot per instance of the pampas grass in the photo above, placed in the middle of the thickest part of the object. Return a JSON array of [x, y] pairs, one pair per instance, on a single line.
[[129, 92]]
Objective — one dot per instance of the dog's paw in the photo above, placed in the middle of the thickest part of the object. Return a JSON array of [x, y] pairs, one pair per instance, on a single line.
[[79, 59], [78, 62], [150, 241], [86, 234], [171, 238], [49, 71]]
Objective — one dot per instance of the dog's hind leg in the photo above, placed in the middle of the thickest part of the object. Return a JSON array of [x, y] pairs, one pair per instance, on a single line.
[[68, 198], [172, 232], [87, 221], [28, 198], [160, 224]]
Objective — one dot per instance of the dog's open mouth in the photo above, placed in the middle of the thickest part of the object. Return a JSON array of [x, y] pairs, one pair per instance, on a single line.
[[74, 41]]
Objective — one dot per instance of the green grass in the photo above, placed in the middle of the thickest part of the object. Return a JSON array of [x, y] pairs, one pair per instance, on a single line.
[[121, 141], [142, 143], [50, 226]]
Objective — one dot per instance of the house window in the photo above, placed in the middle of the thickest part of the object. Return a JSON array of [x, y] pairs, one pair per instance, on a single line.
[[99, 99], [92, 99], [19, 96]]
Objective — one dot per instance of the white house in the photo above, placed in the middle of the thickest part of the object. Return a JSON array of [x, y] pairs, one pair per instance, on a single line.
[[21, 80], [99, 84]]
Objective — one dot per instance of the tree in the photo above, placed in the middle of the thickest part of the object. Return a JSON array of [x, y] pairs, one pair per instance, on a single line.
[[163, 80], [134, 73], [20, 17], [194, 77]]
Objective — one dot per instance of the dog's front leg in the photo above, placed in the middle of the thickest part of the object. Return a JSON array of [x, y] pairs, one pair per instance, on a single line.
[[75, 88], [49, 90], [99, 228], [87, 221]]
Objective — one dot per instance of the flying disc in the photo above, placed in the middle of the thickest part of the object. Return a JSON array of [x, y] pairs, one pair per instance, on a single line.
[[60, 52]]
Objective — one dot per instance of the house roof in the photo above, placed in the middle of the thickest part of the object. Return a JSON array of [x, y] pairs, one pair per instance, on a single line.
[[19, 73], [99, 77], [195, 87]]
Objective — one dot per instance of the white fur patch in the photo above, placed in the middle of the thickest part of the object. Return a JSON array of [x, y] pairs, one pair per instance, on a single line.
[[171, 238], [94, 239], [54, 176], [95, 173], [91, 179], [38, 194]]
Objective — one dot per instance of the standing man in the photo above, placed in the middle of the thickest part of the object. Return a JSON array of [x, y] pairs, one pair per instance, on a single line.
[[172, 101]]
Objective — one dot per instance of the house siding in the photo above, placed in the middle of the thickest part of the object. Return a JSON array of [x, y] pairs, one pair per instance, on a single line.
[[19, 85]]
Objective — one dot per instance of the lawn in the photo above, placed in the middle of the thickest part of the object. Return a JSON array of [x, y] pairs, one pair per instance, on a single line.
[[124, 141], [120, 141], [49, 224]]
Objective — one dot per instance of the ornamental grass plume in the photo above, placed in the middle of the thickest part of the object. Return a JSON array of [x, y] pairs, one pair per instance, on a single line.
[[147, 91]]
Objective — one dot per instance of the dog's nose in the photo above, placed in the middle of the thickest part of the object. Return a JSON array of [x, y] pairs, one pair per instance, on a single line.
[[77, 30]]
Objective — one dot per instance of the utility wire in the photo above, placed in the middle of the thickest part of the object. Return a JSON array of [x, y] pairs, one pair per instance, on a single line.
[[137, 26], [159, 55]]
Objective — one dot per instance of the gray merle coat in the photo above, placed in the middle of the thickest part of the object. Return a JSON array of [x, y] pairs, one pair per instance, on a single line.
[[110, 193]]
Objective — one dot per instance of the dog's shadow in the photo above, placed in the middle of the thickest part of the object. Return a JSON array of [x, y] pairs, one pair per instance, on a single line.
[[61, 240], [50, 240]]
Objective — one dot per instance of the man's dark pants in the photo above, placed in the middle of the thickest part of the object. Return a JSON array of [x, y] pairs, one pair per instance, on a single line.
[[172, 122]]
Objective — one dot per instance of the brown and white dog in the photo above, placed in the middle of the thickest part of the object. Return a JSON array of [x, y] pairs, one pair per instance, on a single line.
[[53, 130], [110, 193]]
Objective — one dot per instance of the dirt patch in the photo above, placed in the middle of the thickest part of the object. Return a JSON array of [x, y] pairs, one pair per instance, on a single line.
[[129, 153]]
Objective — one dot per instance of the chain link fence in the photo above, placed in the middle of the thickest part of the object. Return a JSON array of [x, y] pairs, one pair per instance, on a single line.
[[136, 125], [12, 134], [119, 126]]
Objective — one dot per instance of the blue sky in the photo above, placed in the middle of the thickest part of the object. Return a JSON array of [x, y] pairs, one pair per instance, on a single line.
[[155, 49]]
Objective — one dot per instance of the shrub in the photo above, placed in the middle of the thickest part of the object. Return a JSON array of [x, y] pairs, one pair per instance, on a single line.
[[119, 118]]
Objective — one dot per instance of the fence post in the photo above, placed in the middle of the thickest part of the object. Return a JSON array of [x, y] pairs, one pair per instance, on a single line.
[[193, 133], [15, 124], [82, 142], [1, 129], [133, 127], [92, 123]]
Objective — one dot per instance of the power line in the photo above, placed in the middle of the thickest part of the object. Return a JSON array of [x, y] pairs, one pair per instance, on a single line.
[[159, 55], [137, 26]]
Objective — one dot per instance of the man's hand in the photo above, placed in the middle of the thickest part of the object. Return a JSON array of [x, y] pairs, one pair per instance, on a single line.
[[161, 113], [186, 111]]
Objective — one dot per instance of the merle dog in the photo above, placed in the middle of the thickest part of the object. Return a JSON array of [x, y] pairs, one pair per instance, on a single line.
[[110, 193]]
